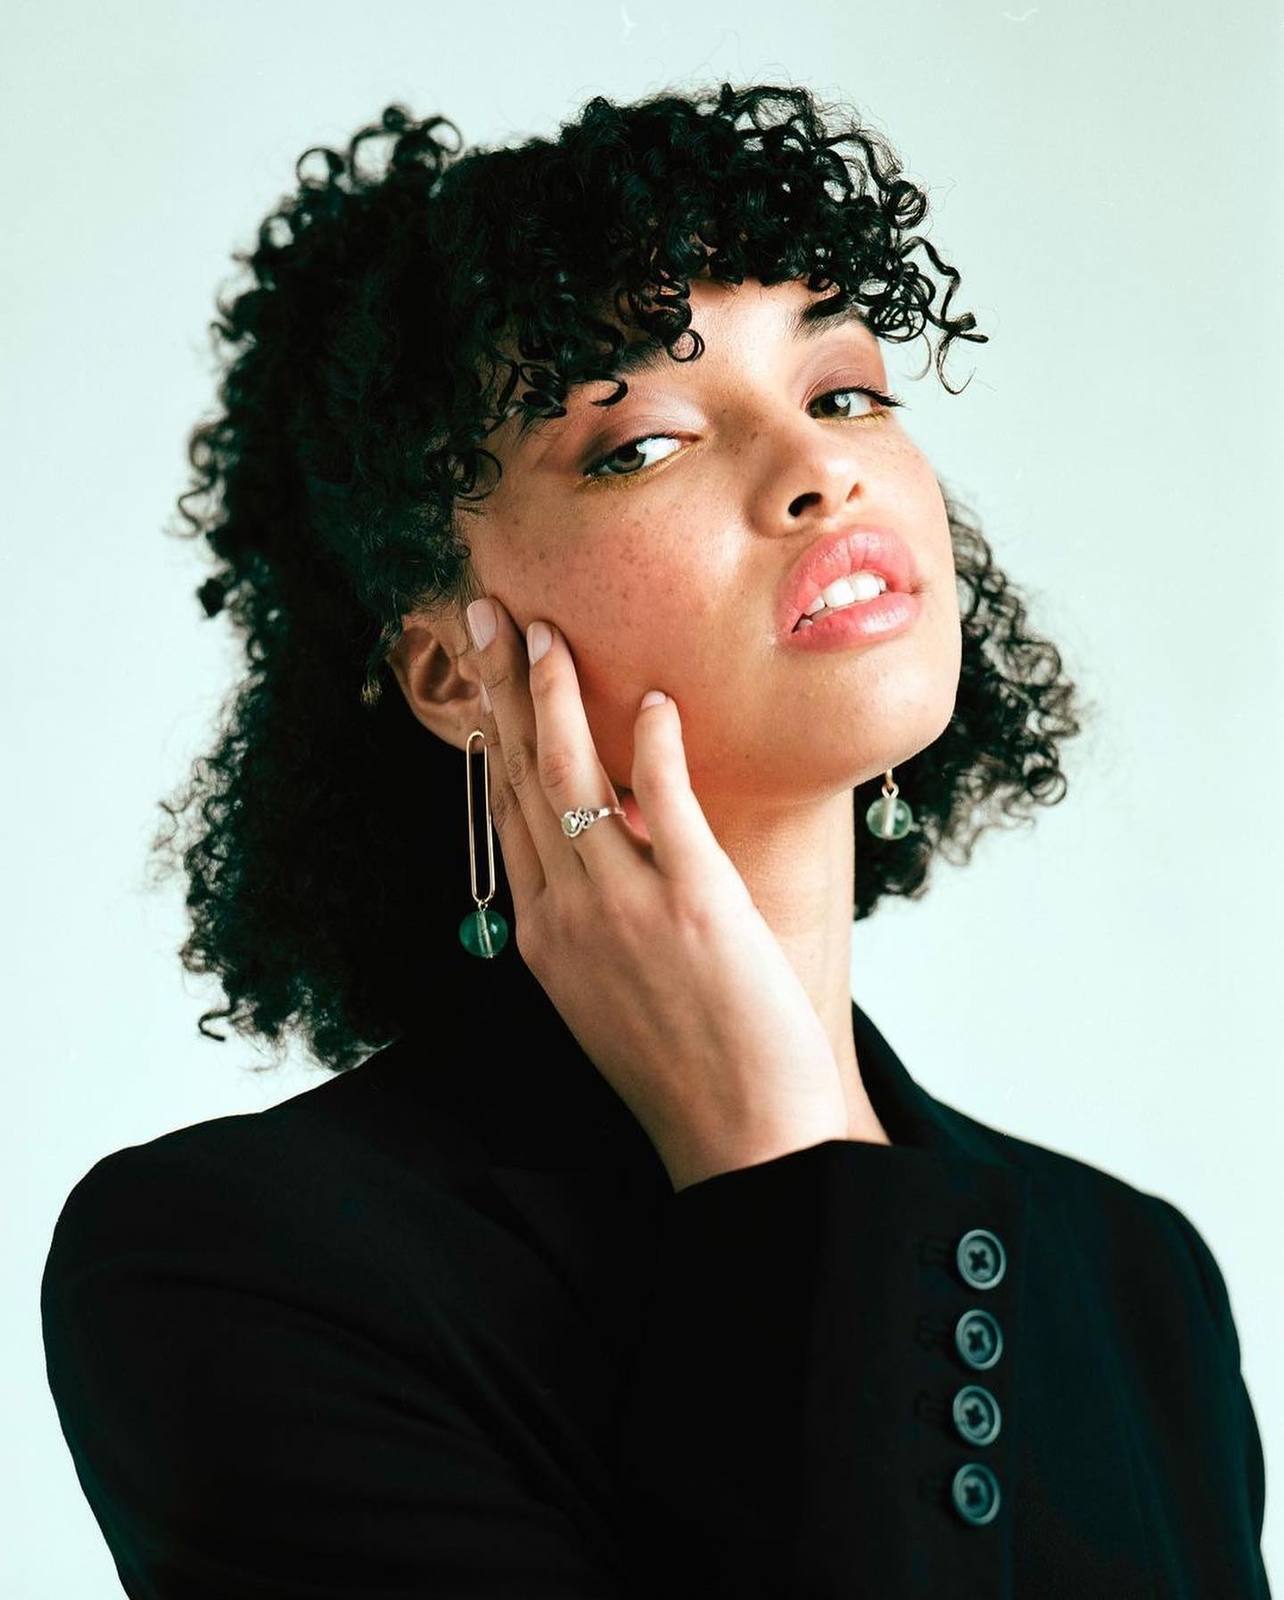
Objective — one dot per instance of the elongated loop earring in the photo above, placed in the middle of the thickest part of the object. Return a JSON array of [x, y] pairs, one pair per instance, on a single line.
[[889, 817], [483, 932]]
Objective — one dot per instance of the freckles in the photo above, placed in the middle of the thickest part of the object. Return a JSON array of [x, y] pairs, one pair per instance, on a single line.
[[632, 579]]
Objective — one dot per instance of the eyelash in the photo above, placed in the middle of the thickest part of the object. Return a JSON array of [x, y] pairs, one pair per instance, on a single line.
[[885, 403]]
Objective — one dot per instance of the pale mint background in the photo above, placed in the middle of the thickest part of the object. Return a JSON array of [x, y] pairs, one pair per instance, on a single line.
[[1106, 179]]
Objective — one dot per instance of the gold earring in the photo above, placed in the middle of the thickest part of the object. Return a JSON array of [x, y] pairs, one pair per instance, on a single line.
[[483, 932]]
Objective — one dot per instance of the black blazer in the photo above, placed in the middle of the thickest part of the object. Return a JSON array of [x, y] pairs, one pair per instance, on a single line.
[[441, 1328]]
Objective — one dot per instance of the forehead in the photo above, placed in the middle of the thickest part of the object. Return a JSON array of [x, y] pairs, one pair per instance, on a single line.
[[720, 311]]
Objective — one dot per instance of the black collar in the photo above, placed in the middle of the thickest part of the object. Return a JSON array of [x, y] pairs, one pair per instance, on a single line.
[[509, 1075]]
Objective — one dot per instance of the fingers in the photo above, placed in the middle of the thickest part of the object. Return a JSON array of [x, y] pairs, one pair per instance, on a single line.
[[545, 762], [570, 770], [545, 770]]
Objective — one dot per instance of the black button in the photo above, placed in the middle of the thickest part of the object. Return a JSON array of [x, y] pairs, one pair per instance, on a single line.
[[976, 1493], [979, 1338], [982, 1260], [976, 1414]]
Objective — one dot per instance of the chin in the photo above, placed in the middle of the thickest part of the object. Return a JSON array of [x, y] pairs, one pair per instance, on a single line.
[[911, 723]]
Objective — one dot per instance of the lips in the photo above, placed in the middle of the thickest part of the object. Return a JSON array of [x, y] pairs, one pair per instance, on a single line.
[[860, 548]]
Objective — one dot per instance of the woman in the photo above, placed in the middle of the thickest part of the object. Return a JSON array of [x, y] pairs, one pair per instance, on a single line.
[[622, 1256]]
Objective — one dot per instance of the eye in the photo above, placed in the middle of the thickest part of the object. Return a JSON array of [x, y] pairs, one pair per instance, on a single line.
[[884, 403]]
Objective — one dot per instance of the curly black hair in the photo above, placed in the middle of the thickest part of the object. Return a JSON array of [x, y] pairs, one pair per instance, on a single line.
[[363, 371]]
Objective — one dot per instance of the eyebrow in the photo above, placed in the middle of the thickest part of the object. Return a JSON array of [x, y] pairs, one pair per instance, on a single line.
[[808, 322]]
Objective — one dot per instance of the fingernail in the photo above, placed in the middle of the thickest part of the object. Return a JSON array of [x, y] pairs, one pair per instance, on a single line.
[[485, 700], [653, 697], [538, 638], [482, 622]]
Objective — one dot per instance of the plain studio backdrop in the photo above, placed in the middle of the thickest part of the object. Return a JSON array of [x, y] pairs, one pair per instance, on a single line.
[[1106, 180]]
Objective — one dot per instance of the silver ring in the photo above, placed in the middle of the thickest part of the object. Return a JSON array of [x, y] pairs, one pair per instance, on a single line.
[[575, 821]]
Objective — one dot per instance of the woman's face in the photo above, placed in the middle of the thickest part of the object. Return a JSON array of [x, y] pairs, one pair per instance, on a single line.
[[662, 565]]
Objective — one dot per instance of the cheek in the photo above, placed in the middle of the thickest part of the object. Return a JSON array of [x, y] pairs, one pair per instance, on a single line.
[[614, 583], [628, 628], [626, 599], [624, 640]]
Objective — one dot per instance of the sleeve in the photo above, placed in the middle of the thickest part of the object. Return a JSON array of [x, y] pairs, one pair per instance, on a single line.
[[796, 1422], [234, 1441], [1251, 1460]]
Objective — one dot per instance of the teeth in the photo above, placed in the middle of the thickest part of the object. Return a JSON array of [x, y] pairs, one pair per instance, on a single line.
[[846, 592]]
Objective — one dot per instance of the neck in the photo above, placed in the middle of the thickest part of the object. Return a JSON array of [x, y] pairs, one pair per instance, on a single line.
[[798, 864]]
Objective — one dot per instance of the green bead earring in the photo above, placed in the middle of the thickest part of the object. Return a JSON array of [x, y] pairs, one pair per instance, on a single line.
[[889, 817], [483, 932]]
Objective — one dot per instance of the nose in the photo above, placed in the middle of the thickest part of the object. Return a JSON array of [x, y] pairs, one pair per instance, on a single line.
[[815, 472]]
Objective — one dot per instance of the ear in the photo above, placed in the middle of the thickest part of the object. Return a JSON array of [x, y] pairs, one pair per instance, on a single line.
[[436, 669]]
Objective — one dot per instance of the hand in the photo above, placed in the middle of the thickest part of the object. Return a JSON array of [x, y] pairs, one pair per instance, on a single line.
[[651, 949]]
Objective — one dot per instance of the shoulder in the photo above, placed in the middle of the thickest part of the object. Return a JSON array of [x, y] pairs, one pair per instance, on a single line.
[[226, 1156], [334, 1180]]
